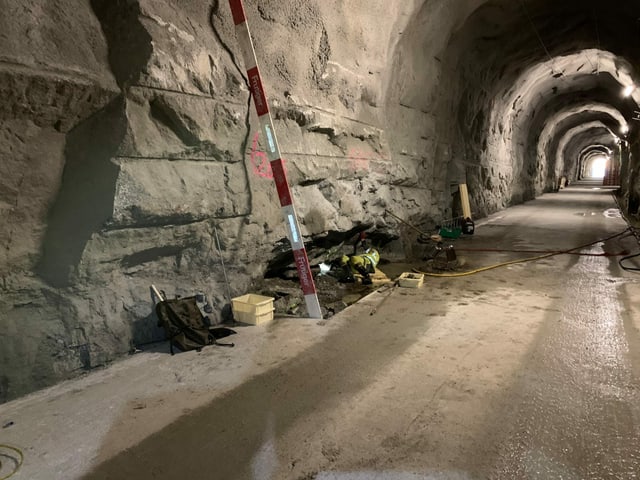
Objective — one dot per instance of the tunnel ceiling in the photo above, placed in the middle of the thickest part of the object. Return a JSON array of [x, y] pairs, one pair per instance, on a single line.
[[547, 71], [566, 120], [575, 141]]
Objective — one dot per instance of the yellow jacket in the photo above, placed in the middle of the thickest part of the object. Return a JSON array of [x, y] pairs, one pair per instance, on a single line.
[[366, 261]]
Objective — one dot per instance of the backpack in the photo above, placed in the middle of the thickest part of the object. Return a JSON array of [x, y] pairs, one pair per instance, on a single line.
[[185, 327]]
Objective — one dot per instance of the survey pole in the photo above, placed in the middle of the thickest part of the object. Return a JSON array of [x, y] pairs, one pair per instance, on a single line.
[[256, 88]]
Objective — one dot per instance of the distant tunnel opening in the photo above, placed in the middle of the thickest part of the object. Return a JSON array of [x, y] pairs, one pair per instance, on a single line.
[[597, 167]]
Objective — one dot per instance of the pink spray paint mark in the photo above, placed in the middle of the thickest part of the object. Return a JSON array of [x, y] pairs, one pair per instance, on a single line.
[[358, 160], [362, 161], [259, 160]]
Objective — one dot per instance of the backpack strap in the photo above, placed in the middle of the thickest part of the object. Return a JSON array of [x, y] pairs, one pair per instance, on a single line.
[[213, 341]]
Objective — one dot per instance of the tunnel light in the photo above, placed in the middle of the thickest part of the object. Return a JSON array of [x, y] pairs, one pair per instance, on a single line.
[[624, 129], [628, 90], [599, 167]]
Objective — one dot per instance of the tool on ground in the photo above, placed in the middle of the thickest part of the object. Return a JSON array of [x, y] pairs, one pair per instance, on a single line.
[[443, 257], [273, 154], [224, 270], [416, 229], [160, 297], [455, 227], [324, 268], [391, 287]]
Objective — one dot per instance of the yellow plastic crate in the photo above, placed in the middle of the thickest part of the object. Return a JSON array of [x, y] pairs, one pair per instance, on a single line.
[[252, 309], [411, 280]]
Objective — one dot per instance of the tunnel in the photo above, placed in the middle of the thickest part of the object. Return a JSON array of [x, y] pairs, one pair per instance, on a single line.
[[132, 154]]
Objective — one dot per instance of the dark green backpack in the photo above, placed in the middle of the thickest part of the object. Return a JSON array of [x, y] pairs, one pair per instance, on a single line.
[[185, 326]]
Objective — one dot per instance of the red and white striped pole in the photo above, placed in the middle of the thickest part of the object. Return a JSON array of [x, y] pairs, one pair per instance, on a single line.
[[274, 156]]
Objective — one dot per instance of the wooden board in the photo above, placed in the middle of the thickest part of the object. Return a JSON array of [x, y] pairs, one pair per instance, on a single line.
[[378, 278], [464, 199]]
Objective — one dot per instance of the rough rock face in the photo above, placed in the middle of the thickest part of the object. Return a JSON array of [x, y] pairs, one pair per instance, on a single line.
[[128, 140], [53, 79]]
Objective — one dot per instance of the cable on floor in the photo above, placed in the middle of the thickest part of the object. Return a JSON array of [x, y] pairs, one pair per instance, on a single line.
[[629, 269], [522, 260], [557, 252], [633, 231], [636, 233], [18, 461]]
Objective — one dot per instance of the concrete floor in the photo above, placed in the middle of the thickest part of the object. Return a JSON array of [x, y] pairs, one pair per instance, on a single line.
[[528, 371]]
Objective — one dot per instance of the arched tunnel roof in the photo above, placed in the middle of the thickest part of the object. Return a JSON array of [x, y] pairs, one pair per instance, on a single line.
[[537, 80]]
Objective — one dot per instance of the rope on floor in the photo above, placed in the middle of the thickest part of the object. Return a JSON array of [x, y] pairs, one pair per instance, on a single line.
[[18, 461]]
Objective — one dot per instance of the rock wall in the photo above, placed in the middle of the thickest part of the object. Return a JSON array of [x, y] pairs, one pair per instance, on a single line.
[[632, 186], [54, 77], [518, 64], [129, 140]]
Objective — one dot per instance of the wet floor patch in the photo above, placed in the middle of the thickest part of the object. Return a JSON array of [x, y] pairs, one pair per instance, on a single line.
[[613, 213], [578, 405], [239, 428], [372, 475]]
